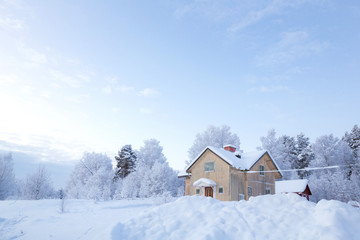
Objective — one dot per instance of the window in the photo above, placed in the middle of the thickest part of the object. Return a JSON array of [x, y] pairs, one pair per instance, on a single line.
[[241, 197], [197, 191], [262, 169], [267, 191], [209, 167], [249, 191], [221, 190]]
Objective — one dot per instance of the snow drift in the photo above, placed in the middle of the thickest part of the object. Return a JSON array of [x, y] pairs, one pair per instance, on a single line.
[[285, 216], [264, 217]]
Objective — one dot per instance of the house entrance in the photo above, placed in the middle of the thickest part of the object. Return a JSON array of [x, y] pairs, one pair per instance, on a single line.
[[208, 192]]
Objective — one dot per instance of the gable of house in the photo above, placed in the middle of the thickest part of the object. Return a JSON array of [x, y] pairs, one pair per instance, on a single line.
[[219, 174]]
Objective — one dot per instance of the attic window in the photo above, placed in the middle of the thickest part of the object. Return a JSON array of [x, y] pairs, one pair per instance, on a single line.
[[262, 169], [209, 167]]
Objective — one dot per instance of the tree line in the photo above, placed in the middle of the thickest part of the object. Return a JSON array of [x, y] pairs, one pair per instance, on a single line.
[[138, 173], [146, 172]]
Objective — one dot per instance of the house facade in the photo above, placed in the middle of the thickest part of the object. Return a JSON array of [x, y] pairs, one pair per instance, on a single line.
[[228, 175]]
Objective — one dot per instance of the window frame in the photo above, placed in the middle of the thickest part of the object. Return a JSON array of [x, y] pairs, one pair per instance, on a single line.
[[266, 191], [206, 167], [222, 189], [197, 191], [262, 171], [249, 191]]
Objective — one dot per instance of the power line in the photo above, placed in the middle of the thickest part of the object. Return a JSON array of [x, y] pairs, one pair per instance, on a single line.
[[307, 169]]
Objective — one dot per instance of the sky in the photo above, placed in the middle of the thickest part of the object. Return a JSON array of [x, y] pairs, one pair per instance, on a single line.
[[81, 76]]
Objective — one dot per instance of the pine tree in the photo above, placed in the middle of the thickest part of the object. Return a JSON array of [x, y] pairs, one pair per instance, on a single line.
[[304, 154], [125, 162]]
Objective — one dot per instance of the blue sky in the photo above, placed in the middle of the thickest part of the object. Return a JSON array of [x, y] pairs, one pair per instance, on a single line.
[[81, 76]]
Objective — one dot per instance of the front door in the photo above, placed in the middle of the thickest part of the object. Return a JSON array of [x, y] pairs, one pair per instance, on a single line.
[[208, 192]]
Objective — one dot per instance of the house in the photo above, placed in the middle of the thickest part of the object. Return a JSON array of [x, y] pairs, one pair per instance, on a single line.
[[228, 175], [299, 186]]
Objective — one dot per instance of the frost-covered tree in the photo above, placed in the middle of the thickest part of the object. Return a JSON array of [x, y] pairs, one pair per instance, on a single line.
[[125, 162], [152, 177], [38, 185], [91, 178], [304, 154], [7, 178], [270, 142], [283, 150], [331, 183], [212, 136], [353, 140], [329, 151]]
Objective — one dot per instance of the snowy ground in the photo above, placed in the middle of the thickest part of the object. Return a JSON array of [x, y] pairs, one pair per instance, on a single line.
[[265, 217]]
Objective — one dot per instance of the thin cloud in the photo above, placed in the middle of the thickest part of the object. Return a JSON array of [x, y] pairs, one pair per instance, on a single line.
[[148, 92], [32, 56], [107, 90], [269, 89], [255, 16], [292, 45], [125, 89], [145, 110], [9, 23], [47, 148]]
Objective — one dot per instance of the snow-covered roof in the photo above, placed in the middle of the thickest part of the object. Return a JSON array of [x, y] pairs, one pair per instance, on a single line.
[[229, 145], [291, 186], [247, 160], [183, 173], [204, 182]]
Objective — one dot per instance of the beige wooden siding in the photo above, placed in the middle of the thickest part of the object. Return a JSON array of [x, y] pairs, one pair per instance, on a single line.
[[237, 184], [259, 183], [187, 186], [220, 175]]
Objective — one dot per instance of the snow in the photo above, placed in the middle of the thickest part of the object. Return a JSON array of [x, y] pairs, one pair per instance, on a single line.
[[281, 216], [291, 186], [183, 173], [204, 182], [247, 160]]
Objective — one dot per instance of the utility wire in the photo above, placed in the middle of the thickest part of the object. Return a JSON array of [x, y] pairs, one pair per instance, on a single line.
[[306, 169]]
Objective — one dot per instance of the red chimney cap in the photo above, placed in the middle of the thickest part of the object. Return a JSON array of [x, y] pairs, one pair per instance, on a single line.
[[230, 148]]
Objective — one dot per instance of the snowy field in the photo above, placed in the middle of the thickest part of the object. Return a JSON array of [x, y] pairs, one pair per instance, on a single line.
[[264, 217]]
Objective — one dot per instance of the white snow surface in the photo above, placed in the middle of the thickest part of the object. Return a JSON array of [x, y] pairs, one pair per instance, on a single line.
[[291, 186], [281, 216], [204, 182]]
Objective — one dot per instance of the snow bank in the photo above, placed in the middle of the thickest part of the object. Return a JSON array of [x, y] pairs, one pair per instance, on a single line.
[[266, 217], [283, 216]]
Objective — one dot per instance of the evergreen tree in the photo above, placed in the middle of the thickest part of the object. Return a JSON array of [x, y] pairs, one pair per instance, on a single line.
[[304, 154], [125, 162], [353, 140]]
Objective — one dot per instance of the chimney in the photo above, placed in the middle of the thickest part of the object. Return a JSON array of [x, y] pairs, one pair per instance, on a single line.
[[230, 148]]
